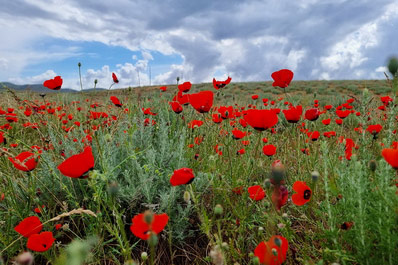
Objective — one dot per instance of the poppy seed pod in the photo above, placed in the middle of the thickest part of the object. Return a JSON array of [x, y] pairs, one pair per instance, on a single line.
[[218, 210], [315, 175]]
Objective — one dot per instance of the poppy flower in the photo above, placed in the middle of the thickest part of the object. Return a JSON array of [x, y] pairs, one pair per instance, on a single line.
[[238, 134], [326, 121], [391, 156], [202, 101], [312, 114], [114, 77], [303, 193], [29, 226], [216, 118], [54, 84], [184, 87], [272, 252], [343, 113], [25, 161], [182, 176], [282, 78], [220, 84], [116, 101], [293, 114], [347, 225], [140, 228], [313, 135], [163, 88], [176, 106], [195, 123], [254, 97], [374, 129], [256, 192], [261, 119], [40, 242], [269, 150], [77, 166], [181, 98]]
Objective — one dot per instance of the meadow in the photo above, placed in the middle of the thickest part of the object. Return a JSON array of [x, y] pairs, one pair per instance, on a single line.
[[218, 173]]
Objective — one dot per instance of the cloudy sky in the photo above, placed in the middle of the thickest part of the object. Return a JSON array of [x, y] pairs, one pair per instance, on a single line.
[[158, 40]]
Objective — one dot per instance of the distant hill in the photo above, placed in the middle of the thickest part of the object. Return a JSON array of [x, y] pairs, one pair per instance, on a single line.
[[37, 88]]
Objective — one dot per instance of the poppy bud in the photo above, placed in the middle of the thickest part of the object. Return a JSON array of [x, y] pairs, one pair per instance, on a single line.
[[256, 261], [372, 165], [153, 240], [79, 64], [314, 175], [187, 197], [278, 242], [224, 245], [144, 256], [95, 81], [218, 210]]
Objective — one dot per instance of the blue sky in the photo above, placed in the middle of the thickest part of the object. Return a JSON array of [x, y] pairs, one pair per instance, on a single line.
[[196, 40]]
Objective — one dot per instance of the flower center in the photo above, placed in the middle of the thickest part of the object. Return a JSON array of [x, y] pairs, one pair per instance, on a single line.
[[307, 194]]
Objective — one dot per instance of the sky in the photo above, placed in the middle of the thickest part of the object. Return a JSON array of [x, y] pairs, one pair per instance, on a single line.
[[154, 41]]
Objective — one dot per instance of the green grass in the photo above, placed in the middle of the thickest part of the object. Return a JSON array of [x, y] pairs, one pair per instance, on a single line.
[[134, 162]]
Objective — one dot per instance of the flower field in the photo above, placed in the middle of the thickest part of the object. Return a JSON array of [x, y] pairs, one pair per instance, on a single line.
[[287, 172]]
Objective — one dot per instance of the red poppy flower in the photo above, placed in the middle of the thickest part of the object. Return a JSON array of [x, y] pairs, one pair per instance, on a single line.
[[220, 84], [326, 121], [140, 228], [374, 129], [254, 97], [163, 88], [282, 78], [116, 101], [391, 156], [185, 87], [303, 194], [261, 119], [114, 77], [293, 114], [256, 192], [29, 226], [54, 84], [312, 114], [77, 166], [176, 106], [339, 121], [238, 134], [182, 176], [40, 242], [195, 123], [272, 252], [343, 113], [269, 150], [216, 118], [313, 135], [202, 101], [25, 161]]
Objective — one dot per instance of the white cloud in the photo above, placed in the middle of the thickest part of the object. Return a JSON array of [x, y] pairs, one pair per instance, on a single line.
[[37, 79]]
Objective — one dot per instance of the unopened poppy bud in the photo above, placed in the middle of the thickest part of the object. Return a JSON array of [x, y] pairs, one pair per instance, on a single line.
[[261, 229], [256, 261], [187, 197], [25, 258], [224, 245], [144, 256], [267, 183], [372, 165], [148, 217], [315, 175], [153, 240], [95, 81], [79, 64], [218, 210]]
